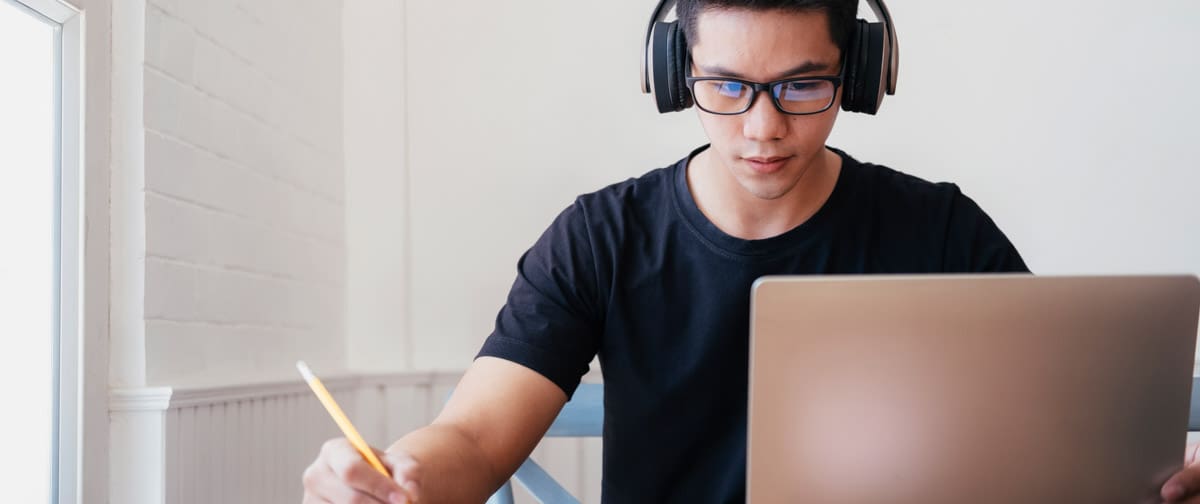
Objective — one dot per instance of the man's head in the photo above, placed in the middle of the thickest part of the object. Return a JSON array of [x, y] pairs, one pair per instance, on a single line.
[[840, 14], [765, 150]]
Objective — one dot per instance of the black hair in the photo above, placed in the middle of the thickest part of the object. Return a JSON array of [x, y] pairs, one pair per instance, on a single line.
[[841, 14]]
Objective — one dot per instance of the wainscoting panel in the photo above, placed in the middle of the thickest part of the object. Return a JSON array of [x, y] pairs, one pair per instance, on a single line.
[[250, 444]]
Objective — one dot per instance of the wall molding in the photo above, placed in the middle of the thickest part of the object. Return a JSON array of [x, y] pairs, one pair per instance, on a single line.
[[139, 399], [164, 398]]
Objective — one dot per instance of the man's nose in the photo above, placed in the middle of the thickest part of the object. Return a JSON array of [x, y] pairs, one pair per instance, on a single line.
[[764, 122]]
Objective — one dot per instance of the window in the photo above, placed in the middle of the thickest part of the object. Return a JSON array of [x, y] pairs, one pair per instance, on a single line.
[[39, 164]]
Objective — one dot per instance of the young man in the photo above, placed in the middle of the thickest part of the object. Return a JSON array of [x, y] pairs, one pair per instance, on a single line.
[[654, 275]]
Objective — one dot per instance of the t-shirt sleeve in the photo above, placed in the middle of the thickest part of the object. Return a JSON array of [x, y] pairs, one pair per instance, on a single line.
[[974, 244], [552, 320]]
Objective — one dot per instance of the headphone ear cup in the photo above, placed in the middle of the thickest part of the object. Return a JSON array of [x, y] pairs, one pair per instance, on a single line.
[[682, 98], [669, 57], [853, 60], [864, 69]]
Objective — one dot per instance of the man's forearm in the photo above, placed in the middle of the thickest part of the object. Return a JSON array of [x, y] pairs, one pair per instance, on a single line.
[[453, 469]]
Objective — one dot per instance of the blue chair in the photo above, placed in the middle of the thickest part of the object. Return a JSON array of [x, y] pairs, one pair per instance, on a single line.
[[1194, 417], [583, 416]]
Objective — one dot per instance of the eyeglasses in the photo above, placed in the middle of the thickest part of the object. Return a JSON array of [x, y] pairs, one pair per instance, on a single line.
[[727, 96]]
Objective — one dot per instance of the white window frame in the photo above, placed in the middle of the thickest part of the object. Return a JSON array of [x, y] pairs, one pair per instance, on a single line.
[[68, 237]]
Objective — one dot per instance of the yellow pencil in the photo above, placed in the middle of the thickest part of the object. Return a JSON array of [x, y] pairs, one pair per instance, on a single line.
[[335, 411]]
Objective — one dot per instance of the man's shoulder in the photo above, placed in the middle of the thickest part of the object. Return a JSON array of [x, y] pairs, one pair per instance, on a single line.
[[649, 190], [894, 196], [890, 183], [904, 209]]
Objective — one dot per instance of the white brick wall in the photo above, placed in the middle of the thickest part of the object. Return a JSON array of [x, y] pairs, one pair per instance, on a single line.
[[244, 189]]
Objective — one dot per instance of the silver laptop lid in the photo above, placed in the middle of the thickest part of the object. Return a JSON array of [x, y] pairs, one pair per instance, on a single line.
[[976, 389]]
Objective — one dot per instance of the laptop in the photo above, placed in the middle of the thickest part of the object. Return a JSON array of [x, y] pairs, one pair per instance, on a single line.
[[981, 389]]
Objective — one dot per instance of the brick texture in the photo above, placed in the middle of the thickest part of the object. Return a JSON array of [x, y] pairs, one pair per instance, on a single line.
[[244, 189]]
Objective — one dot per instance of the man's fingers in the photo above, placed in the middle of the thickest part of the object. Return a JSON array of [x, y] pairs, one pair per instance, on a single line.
[[1184, 484], [349, 467], [406, 472], [313, 499], [323, 486]]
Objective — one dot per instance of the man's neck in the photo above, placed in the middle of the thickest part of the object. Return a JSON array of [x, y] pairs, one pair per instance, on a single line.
[[738, 213]]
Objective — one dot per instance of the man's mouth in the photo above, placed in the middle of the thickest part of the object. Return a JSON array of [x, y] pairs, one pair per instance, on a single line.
[[766, 164]]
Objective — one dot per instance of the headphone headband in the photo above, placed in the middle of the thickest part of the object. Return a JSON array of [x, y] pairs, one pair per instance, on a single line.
[[660, 13], [877, 6], [893, 46]]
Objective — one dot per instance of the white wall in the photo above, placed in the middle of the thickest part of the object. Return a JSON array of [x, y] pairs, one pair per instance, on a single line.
[[1069, 122], [375, 139], [238, 182]]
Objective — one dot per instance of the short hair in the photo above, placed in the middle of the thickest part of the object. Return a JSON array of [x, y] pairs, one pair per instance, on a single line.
[[841, 14]]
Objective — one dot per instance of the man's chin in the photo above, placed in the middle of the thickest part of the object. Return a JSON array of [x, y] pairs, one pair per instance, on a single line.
[[765, 191]]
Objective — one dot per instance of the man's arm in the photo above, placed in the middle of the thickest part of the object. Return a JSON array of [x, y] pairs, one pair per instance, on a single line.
[[491, 424], [495, 418]]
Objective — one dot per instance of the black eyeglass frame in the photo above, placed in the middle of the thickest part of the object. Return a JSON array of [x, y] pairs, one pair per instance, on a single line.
[[759, 87]]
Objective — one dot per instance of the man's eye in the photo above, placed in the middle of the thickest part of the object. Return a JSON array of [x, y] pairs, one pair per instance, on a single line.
[[730, 89], [798, 91], [801, 86]]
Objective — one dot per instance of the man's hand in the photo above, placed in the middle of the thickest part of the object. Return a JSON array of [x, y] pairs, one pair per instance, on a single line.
[[1184, 486], [339, 475]]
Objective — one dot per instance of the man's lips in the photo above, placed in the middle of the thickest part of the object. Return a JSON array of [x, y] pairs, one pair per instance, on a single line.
[[766, 164]]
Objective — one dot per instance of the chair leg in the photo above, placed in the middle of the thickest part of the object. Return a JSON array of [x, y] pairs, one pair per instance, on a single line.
[[541, 486], [502, 496]]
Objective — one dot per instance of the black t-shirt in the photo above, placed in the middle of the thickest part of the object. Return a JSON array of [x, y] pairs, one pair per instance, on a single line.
[[636, 273]]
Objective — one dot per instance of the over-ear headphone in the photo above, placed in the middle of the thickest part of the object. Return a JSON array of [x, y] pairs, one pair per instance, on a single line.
[[872, 60]]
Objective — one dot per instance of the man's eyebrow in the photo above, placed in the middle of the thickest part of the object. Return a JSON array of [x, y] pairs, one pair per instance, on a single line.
[[803, 68]]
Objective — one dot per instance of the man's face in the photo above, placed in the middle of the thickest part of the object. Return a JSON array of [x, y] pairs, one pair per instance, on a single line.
[[764, 149]]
